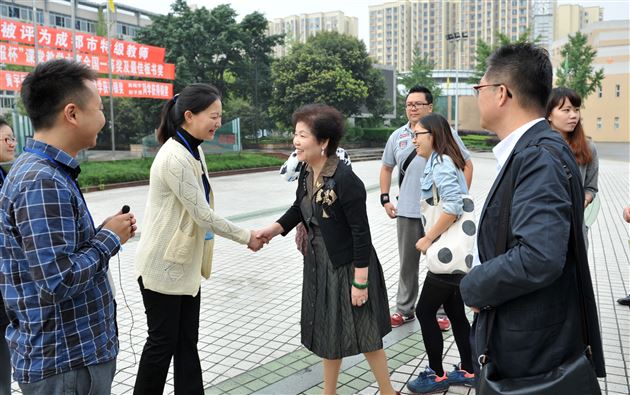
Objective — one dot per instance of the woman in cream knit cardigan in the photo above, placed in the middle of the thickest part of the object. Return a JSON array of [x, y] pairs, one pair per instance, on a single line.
[[175, 248]]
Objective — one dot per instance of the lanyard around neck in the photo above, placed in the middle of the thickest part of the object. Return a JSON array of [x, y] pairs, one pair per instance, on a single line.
[[186, 142], [59, 167], [203, 173]]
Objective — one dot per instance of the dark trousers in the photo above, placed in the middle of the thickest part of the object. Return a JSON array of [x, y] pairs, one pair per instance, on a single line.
[[173, 322], [5, 361], [436, 292]]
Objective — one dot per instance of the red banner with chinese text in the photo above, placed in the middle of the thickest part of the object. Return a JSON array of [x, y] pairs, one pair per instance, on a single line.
[[25, 56], [11, 30], [12, 81]]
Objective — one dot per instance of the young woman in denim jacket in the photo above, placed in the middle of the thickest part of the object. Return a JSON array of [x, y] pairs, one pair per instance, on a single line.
[[434, 141]]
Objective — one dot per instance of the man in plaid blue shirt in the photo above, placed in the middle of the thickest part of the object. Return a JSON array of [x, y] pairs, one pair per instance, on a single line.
[[53, 261]]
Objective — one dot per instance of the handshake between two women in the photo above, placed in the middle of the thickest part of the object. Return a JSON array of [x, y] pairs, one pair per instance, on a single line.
[[263, 236]]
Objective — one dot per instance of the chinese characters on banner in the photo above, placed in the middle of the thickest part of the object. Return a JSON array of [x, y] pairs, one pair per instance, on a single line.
[[12, 81], [20, 32], [128, 58], [25, 56]]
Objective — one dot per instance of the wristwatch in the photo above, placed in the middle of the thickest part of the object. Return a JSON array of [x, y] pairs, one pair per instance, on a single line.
[[384, 198]]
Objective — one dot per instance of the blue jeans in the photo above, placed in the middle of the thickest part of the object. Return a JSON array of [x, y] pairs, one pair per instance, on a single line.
[[88, 380]]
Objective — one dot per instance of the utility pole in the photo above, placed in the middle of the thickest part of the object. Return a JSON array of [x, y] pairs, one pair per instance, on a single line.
[[111, 89]]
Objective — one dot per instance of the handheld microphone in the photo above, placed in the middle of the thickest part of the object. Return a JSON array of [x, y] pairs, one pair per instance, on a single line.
[[125, 209]]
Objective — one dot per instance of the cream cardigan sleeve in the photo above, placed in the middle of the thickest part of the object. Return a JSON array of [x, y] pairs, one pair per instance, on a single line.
[[181, 179]]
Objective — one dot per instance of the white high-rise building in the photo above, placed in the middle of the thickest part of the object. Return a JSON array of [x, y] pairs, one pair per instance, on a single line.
[[398, 28], [298, 28]]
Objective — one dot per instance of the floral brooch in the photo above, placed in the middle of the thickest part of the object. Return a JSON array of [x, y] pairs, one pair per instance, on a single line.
[[326, 196]]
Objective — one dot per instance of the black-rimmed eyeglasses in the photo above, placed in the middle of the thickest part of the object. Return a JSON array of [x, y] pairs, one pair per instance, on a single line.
[[416, 104], [477, 88], [416, 134]]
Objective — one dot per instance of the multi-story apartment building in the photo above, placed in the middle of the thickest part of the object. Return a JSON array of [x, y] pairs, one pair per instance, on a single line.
[[605, 113], [298, 28], [58, 13], [570, 18], [399, 28]]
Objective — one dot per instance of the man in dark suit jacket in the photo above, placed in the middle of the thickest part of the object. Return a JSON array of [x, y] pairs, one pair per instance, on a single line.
[[530, 282]]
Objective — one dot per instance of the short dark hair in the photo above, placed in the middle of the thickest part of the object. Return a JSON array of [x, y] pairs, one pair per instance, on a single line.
[[194, 98], [51, 86], [324, 121], [421, 89], [443, 141], [526, 70], [4, 122]]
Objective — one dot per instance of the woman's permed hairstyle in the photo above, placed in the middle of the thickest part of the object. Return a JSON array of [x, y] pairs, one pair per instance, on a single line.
[[324, 121], [443, 141], [577, 139], [194, 98]]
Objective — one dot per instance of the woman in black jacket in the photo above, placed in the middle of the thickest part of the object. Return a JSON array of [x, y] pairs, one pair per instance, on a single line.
[[345, 308]]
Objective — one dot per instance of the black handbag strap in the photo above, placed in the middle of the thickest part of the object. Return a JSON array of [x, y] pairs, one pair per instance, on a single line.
[[405, 165], [576, 242]]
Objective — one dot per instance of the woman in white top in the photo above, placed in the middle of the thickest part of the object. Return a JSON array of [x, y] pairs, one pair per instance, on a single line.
[[175, 248]]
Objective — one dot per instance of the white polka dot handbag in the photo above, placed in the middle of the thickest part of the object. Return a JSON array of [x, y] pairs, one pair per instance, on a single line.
[[452, 251]]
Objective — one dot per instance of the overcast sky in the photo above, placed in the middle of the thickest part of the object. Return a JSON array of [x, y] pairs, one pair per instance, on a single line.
[[613, 9]]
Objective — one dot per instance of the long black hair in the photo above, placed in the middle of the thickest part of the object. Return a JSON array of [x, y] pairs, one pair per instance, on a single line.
[[194, 98]]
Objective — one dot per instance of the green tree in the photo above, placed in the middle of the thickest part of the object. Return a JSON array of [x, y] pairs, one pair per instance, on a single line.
[[210, 46], [329, 68], [252, 76], [576, 70], [129, 123], [419, 74], [101, 24], [484, 50]]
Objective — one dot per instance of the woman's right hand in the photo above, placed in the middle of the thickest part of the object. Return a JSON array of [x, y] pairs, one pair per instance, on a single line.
[[423, 244], [255, 243], [265, 235]]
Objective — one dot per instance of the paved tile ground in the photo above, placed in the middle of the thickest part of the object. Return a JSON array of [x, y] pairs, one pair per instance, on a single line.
[[249, 327]]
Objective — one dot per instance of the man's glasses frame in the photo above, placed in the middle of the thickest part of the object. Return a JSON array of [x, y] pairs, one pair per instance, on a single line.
[[416, 104], [477, 88]]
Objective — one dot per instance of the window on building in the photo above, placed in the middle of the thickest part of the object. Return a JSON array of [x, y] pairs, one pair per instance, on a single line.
[[60, 20], [19, 12], [7, 99], [128, 30], [84, 25], [616, 123], [599, 92], [600, 123], [617, 90]]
